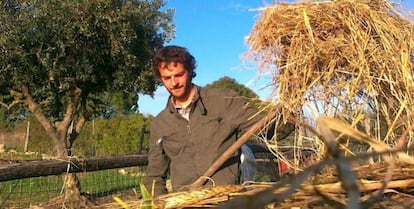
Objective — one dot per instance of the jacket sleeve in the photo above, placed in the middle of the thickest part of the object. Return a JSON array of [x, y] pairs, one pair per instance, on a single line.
[[244, 114], [158, 164], [247, 115]]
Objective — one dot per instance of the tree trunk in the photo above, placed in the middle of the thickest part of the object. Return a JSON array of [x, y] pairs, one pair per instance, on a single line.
[[73, 197], [59, 133]]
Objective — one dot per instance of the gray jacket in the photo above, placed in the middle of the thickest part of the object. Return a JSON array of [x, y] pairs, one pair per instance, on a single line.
[[183, 150]]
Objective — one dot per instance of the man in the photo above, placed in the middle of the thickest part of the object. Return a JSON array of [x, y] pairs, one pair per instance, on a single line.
[[195, 128]]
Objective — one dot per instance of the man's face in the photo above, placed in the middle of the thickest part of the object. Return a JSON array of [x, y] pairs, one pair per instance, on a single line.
[[176, 79]]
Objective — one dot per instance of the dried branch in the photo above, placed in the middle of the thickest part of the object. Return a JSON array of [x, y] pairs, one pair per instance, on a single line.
[[347, 176]]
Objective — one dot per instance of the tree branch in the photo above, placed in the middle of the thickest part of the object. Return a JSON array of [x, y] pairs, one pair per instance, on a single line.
[[72, 109], [40, 116], [79, 125], [9, 106], [67, 119]]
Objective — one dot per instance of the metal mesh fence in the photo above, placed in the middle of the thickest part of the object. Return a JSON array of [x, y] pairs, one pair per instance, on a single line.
[[23, 193]]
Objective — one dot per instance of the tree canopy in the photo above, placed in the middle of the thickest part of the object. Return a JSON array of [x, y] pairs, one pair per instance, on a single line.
[[96, 46], [57, 58], [231, 83]]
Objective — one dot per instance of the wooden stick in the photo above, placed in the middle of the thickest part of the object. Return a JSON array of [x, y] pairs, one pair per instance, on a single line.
[[363, 186]]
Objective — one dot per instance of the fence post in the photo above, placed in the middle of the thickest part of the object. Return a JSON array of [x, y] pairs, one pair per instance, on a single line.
[[27, 136], [141, 138]]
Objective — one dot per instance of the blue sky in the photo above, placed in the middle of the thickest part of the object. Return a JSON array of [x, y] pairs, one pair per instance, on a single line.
[[214, 31]]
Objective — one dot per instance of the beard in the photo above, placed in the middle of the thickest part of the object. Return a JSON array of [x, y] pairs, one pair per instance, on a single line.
[[181, 93], [178, 92]]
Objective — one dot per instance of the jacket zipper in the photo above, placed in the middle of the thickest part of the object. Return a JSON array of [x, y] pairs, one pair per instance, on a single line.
[[189, 128]]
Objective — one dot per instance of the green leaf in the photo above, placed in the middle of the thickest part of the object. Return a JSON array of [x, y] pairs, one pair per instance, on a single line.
[[121, 203], [147, 202]]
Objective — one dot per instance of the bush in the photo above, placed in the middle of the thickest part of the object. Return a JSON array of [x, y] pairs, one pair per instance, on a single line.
[[117, 136], [100, 137]]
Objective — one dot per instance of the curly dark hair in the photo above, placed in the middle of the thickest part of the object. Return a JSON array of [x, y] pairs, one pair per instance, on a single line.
[[174, 54]]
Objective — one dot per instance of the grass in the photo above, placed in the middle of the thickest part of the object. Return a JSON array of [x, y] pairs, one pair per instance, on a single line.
[[25, 192], [14, 155]]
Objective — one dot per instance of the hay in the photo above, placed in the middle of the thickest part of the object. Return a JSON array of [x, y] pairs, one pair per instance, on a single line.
[[311, 188], [349, 57]]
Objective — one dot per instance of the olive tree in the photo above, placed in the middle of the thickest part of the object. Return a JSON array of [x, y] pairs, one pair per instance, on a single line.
[[57, 59], [231, 83]]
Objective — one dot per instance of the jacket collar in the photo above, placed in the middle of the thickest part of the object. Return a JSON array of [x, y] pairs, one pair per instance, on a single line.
[[197, 101]]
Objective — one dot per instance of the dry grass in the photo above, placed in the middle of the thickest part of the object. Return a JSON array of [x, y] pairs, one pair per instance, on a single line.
[[382, 185], [344, 69], [345, 57]]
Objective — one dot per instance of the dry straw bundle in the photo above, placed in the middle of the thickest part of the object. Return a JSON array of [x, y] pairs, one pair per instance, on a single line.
[[348, 57], [351, 60]]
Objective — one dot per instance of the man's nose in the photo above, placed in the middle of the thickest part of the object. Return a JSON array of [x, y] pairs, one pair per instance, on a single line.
[[173, 81]]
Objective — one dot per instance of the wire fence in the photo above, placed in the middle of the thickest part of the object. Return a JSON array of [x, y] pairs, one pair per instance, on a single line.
[[24, 193]]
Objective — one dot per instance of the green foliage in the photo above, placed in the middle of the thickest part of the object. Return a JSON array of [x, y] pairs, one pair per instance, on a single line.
[[117, 136], [261, 177], [9, 119], [147, 198], [39, 141], [61, 58], [97, 46], [93, 44], [120, 103], [4, 118], [100, 137], [230, 83]]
